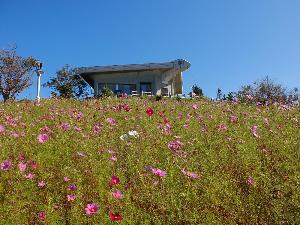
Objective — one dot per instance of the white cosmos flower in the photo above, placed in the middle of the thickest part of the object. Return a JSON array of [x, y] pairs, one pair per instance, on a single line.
[[133, 133]]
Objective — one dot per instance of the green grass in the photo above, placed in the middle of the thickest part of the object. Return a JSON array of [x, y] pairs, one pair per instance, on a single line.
[[223, 159]]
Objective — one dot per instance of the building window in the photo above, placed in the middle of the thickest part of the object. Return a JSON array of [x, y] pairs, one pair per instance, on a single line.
[[127, 88], [145, 87]]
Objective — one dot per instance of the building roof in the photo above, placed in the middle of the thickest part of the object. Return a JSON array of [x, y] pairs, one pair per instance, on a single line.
[[85, 72]]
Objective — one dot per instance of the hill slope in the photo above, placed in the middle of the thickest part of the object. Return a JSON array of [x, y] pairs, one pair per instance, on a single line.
[[148, 162]]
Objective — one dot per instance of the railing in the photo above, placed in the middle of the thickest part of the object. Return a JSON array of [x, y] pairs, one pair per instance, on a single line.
[[148, 93]]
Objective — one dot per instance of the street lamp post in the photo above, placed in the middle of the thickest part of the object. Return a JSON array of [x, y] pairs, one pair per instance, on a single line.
[[39, 72]]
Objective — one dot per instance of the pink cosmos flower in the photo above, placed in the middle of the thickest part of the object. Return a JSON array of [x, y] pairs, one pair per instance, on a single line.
[[117, 194], [6, 165], [22, 166], [175, 145], [91, 209], [149, 112], [114, 180], [42, 138], [66, 179], [254, 131], [159, 172], [71, 198], [113, 158], [41, 184], [190, 174], [42, 216], [65, 126], [111, 121], [156, 171], [250, 181], [77, 129], [97, 128], [29, 176], [195, 106], [45, 129], [2, 129], [222, 127]]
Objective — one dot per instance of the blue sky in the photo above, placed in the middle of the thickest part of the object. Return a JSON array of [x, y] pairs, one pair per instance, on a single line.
[[229, 43]]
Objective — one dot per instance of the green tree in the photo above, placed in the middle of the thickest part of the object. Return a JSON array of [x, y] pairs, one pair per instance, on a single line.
[[68, 84], [15, 73], [197, 90]]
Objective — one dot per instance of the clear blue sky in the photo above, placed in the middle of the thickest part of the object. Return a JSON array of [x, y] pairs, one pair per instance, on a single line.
[[229, 43]]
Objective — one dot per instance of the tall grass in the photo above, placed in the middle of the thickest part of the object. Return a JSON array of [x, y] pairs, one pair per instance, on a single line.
[[191, 162]]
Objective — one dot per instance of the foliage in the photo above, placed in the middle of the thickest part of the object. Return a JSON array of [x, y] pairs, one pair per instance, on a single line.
[[106, 92], [68, 84], [197, 90], [15, 73], [266, 90], [149, 162]]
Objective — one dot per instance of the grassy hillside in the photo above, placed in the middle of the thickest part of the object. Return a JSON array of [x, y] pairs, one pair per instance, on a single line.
[[138, 161]]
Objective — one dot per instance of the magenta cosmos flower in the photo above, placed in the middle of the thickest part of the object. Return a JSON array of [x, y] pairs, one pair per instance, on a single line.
[[42, 216], [149, 111], [42, 138], [91, 209], [114, 180], [6, 165], [115, 216]]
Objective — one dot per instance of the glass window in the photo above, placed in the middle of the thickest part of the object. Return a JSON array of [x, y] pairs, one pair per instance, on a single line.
[[146, 87], [127, 88]]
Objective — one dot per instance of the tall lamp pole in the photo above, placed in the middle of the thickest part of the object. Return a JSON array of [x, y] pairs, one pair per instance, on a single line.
[[39, 72]]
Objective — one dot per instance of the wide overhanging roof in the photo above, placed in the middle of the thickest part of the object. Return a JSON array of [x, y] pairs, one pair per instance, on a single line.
[[85, 72]]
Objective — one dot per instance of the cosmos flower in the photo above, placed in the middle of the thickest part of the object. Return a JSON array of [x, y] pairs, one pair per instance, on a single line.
[[195, 106], [72, 187], [29, 176], [42, 138], [6, 165], [133, 133], [114, 180], [156, 171], [91, 209], [111, 121], [41, 184], [254, 131], [65, 126], [149, 112], [2, 129], [22, 166], [71, 198], [66, 179], [190, 174], [115, 216], [250, 181], [175, 145], [42, 216], [117, 194], [222, 127]]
